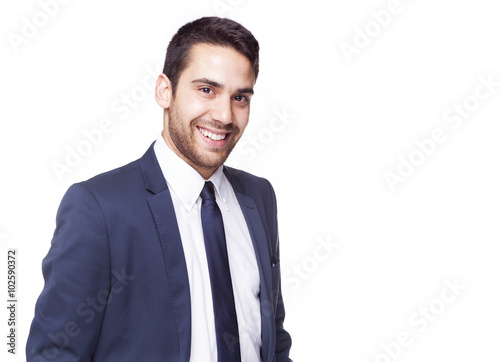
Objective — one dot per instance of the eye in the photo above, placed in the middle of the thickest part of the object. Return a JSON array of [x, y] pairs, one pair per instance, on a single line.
[[206, 90], [241, 99]]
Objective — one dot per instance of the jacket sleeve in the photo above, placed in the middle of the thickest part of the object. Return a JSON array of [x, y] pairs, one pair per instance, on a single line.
[[283, 339], [70, 309]]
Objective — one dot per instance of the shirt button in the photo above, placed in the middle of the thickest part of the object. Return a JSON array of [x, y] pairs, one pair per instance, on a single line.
[[225, 200]]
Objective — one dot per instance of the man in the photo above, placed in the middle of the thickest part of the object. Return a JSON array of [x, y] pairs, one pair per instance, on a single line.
[[173, 257]]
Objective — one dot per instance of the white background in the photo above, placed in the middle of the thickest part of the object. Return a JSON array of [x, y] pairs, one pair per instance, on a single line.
[[389, 251]]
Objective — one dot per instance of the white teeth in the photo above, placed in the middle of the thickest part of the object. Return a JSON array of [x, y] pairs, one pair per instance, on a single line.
[[212, 136]]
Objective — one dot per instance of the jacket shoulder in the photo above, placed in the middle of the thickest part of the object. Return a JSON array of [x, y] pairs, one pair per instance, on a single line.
[[115, 175], [248, 183], [127, 178]]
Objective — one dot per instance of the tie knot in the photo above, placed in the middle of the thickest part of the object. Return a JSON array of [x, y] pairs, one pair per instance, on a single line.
[[208, 192]]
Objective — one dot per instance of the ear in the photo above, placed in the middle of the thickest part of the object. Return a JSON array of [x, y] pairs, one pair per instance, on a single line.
[[163, 91]]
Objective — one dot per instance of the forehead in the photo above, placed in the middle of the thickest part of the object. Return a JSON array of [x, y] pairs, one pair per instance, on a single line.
[[217, 63]]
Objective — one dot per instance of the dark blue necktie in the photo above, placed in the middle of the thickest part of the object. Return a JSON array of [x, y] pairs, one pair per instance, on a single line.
[[226, 324]]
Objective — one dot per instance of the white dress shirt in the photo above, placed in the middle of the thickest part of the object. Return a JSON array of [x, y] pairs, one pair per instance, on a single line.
[[185, 185]]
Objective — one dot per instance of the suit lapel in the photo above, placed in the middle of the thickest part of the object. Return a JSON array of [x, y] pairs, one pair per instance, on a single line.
[[160, 203]]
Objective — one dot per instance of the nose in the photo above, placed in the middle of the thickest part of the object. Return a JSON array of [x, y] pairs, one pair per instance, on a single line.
[[222, 111]]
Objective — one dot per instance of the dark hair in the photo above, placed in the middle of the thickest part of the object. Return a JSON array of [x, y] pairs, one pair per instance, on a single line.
[[209, 30]]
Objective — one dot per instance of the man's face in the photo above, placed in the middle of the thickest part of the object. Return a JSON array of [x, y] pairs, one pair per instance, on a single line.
[[211, 107]]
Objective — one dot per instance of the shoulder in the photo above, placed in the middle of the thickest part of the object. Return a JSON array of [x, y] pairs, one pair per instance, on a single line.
[[257, 188], [119, 179], [247, 183], [115, 177], [115, 186]]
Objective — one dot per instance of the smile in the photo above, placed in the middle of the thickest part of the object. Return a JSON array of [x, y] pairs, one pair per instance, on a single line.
[[212, 136]]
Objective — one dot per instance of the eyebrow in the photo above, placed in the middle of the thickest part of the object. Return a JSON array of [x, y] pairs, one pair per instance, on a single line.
[[219, 85]]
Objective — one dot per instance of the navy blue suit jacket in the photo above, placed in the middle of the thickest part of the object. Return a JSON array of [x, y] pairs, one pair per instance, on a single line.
[[116, 283]]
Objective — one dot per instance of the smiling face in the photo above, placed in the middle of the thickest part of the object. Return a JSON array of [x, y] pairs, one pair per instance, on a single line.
[[210, 109]]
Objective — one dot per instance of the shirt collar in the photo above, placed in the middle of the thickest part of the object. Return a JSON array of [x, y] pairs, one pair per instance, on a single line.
[[184, 180]]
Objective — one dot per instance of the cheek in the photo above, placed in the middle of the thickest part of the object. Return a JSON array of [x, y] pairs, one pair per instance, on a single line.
[[197, 107], [241, 118], [190, 108]]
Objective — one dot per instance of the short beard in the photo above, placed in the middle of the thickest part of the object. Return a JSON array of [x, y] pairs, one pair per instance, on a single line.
[[184, 140]]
